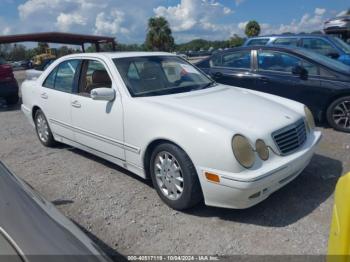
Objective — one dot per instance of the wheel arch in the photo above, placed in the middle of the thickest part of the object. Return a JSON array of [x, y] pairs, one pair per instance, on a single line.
[[149, 149], [333, 98], [34, 110]]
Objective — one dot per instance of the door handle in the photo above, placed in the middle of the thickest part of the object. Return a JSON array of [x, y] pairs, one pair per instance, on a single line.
[[76, 104], [265, 80], [218, 75], [44, 95]]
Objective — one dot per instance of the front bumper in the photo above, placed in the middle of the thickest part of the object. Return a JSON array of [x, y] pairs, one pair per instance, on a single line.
[[243, 191]]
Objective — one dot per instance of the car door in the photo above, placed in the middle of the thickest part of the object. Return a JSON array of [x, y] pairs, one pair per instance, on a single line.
[[233, 68], [98, 124], [55, 97], [275, 76]]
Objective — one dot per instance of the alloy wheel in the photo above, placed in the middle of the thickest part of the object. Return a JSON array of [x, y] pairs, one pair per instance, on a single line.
[[42, 128], [341, 114], [168, 174]]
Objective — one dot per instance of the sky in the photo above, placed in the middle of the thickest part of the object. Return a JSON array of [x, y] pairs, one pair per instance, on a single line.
[[189, 19]]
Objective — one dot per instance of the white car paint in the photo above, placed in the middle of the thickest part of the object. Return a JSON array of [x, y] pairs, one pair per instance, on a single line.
[[201, 122], [32, 74]]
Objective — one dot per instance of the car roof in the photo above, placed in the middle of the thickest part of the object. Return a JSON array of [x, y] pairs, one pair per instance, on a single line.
[[290, 36], [113, 55], [277, 48]]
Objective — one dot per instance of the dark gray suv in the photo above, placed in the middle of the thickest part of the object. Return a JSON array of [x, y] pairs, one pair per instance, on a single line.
[[327, 45]]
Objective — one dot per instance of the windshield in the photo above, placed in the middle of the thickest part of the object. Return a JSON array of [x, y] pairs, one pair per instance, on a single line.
[[342, 45], [326, 61], [160, 75]]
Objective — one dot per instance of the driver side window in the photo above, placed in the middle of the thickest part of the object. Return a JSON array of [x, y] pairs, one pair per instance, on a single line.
[[283, 62], [93, 75]]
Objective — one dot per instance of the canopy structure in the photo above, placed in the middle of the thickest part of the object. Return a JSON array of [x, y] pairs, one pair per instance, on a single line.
[[60, 38]]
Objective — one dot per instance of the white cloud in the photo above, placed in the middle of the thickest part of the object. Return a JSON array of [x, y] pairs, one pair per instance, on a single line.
[[111, 23], [65, 21], [307, 23], [6, 30], [238, 2], [127, 19], [189, 14], [320, 11]]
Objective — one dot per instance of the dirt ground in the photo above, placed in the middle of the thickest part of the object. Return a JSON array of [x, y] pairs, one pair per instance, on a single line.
[[125, 216]]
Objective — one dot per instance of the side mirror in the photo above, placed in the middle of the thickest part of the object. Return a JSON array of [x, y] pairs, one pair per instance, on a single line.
[[300, 71], [333, 55], [103, 93]]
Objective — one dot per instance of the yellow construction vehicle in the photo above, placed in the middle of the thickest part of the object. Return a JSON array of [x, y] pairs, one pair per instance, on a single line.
[[339, 239], [50, 53]]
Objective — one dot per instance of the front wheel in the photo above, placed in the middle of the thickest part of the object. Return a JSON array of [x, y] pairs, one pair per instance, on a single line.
[[174, 177], [43, 130], [338, 114]]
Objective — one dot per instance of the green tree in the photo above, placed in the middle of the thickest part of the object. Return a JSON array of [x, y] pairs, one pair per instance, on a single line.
[[236, 41], [17, 53], [159, 36], [42, 47], [252, 28]]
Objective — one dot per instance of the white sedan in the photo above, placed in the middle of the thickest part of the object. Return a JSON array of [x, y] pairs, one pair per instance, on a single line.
[[161, 118]]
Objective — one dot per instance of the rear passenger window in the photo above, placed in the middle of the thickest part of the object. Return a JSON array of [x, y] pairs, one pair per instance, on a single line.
[[260, 41], [62, 77], [50, 80], [286, 41], [65, 75], [240, 59]]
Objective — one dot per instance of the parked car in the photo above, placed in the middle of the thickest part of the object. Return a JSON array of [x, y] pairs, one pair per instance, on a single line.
[[8, 83], [35, 72], [32, 229], [327, 45], [159, 117], [339, 24], [321, 83], [339, 235]]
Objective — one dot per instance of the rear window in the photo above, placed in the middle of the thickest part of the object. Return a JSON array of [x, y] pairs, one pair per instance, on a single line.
[[260, 41], [286, 41]]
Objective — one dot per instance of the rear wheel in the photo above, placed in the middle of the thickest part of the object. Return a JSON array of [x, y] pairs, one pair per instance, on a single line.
[[43, 130], [338, 114], [175, 177], [13, 100]]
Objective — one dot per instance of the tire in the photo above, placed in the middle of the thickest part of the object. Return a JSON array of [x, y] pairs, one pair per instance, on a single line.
[[177, 166], [338, 114], [13, 100], [43, 130]]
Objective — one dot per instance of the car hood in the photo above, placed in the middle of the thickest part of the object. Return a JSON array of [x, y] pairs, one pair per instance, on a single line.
[[233, 108]]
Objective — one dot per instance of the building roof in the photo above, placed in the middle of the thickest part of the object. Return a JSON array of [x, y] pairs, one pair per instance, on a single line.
[[56, 37]]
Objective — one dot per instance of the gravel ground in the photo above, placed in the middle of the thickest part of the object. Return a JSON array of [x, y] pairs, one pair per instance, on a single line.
[[125, 216]]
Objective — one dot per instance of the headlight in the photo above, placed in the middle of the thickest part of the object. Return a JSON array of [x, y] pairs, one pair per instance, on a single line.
[[309, 118], [262, 149], [243, 151]]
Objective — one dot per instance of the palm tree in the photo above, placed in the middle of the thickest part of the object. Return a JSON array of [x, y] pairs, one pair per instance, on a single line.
[[252, 28], [159, 36]]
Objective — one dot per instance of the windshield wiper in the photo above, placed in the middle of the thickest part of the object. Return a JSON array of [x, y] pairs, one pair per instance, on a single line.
[[211, 84]]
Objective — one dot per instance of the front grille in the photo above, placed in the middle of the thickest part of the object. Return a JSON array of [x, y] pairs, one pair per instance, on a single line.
[[290, 138]]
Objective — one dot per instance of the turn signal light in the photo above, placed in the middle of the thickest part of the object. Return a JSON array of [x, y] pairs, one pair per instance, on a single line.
[[212, 177]]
